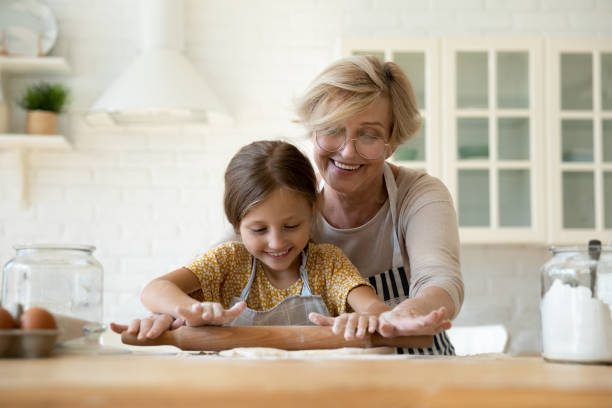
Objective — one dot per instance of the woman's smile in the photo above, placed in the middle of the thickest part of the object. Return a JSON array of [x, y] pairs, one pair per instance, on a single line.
[[345, 166]]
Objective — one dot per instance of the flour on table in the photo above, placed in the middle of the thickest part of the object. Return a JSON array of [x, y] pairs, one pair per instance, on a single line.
[[267, 352]]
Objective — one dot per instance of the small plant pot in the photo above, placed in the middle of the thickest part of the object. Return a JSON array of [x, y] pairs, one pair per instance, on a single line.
[[39, 122]]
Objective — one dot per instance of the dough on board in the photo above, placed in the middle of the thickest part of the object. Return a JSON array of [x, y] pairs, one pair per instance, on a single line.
[[267, 352]]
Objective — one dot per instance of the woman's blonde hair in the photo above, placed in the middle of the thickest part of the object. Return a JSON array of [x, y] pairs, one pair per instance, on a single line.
[[258, 169], [350, 86]]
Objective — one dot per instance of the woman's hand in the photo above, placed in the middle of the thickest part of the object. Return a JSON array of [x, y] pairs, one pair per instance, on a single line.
[[209, 313], [353, 325], [404, 320], [150, 327]]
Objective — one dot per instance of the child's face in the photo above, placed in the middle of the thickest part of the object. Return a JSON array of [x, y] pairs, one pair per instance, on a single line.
[[277, 230]]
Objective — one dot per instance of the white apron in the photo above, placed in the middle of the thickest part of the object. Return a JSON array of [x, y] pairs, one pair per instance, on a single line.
[[291, 311]]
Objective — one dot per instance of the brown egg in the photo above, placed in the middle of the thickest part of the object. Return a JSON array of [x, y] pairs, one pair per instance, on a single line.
[[37, 318], [6, 320]]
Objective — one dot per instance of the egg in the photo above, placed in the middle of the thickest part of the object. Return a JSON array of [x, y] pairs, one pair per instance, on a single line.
[[37, 318], [6, 320]]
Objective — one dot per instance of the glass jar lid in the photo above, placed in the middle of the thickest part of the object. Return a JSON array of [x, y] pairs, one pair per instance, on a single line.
[[564, 249], [78, 247]]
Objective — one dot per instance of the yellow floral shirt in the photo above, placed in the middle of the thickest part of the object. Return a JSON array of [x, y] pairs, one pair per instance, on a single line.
[[225, 270]]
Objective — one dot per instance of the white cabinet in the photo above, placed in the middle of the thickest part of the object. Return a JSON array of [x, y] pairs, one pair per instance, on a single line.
[[519, 129], [580, 130], [21, 144], [492, 138]]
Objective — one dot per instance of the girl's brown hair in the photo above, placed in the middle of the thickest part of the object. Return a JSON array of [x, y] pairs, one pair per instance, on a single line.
[[258, 169]]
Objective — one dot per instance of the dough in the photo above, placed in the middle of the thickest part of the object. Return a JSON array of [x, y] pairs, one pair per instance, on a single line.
[[265, 352]]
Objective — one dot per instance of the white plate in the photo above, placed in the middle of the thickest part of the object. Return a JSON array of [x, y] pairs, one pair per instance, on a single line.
[[23, 22]]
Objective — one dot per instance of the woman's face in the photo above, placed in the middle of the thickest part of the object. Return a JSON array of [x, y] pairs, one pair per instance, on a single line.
[[345, 170]]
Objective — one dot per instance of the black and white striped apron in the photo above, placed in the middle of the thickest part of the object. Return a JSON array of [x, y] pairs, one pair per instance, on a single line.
[[393, 286]]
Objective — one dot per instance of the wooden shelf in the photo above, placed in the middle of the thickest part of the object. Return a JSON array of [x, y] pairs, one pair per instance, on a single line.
[[34, 65], [23, 141]]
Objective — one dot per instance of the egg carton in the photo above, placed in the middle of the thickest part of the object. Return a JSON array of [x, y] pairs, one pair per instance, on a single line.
[[27, 343]]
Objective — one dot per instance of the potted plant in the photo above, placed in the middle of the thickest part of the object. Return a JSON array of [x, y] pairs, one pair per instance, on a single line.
[[43, 102]]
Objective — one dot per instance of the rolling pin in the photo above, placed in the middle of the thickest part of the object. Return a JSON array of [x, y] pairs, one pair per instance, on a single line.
[[217, 338]]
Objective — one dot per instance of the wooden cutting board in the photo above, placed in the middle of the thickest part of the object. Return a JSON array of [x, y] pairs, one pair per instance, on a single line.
[[215, 338]]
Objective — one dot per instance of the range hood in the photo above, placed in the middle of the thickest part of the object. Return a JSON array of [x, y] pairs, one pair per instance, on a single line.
[[160, 87]]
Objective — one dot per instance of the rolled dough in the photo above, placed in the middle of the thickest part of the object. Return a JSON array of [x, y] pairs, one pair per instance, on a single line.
[[266, 352]]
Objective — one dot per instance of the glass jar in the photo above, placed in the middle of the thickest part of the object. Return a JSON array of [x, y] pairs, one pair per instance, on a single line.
[[577, 326], [64, 279]]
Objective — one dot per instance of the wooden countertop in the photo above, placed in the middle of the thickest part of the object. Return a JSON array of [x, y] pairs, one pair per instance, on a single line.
[[392, 381]]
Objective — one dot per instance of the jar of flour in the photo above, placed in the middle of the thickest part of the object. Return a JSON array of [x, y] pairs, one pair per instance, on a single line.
[[576, 305]]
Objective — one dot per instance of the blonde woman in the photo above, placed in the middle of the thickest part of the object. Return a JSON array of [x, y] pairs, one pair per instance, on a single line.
[[398, 226]]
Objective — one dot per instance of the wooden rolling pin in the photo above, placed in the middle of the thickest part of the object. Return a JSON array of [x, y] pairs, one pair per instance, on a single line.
[[215, 338]]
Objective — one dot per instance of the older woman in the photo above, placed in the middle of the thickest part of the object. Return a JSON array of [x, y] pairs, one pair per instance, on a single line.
[[397, 225]]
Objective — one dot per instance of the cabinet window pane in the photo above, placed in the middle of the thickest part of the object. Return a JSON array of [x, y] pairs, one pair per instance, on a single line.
[[513, 140], [512, 80], [414, 149], [378, 54], [576, 81], [577, 140], [473, 138], [606, 127], [606, 81], [514, 198], [472, 80], [607, 179], [473, 198], [578, 199], [413, 64]]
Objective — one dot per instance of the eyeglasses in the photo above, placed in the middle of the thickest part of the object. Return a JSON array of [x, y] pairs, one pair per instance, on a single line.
[[368, 145]]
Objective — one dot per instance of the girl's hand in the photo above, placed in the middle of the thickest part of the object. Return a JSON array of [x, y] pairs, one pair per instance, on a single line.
[[209, 313], [150, 327], [404, 321], [353, 325]]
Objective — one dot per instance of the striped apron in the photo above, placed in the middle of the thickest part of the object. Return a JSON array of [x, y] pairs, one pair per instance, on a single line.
[[392, 285]]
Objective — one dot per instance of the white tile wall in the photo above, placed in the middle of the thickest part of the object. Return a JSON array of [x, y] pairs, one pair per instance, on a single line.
[[150, 199]]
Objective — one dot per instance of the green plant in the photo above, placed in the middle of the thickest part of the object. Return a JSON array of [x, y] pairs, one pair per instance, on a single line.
[[44, 96]]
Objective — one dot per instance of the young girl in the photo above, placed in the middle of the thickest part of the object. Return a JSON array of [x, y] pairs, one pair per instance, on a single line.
[[276, 275]]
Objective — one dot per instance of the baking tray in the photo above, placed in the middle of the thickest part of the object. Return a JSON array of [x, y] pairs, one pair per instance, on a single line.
[[17, 343]]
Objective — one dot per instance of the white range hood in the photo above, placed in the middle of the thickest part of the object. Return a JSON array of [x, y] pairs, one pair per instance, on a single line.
[[160, 87]]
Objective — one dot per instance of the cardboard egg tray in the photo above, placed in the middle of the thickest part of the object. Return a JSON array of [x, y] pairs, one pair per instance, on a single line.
[[27, 343]]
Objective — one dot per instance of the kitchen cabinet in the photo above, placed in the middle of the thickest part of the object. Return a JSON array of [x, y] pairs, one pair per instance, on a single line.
[[520, 131], [29, 67], [408, 381], [580, 123], [493, 147]]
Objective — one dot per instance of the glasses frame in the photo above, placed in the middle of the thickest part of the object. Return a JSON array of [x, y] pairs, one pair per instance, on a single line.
[[346, 138]]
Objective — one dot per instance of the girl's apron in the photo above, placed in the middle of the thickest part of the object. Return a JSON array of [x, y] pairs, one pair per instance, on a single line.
[[392, 285], [291, 311]]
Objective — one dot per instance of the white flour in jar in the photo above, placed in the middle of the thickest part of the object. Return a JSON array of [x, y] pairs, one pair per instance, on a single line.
[[575, 327]]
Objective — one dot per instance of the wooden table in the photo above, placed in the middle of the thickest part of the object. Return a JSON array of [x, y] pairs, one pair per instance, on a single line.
[[182, 380]]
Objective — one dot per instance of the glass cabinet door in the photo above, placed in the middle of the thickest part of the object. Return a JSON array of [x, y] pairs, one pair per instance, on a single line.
[[581, 131], [493, 170], [413, 64]]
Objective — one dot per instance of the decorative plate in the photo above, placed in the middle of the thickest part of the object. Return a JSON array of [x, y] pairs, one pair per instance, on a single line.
[[27, 28]]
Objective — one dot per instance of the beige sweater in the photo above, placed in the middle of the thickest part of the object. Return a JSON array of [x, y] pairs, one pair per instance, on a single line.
[[427, 232]]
